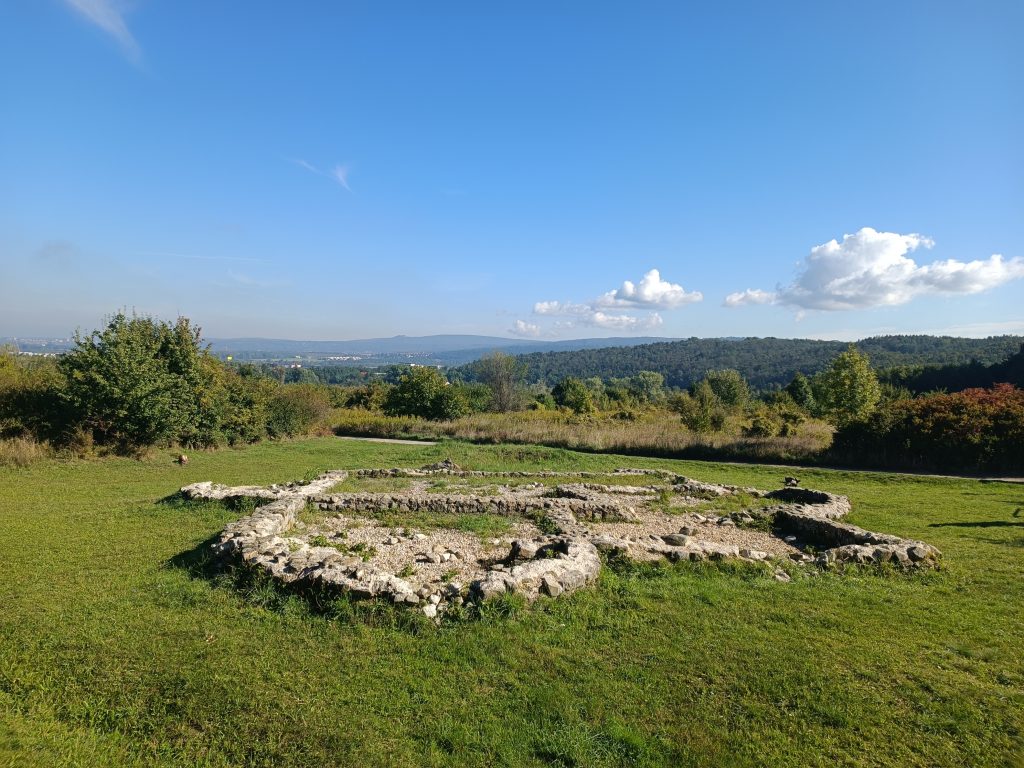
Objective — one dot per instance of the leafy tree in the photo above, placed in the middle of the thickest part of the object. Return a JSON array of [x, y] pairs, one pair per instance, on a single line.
[[573, 394], [504, 375], [647, 386], [135, 383], [598, 392], [729, 386], [848, 389], [426, 393]]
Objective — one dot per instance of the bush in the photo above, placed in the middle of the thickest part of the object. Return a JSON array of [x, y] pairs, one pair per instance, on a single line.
[[295, 408], [701, 411], [32, 402], [370, 397], [763, 425], [973, 430]]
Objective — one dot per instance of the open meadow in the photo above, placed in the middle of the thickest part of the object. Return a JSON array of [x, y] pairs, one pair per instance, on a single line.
[[117, 647]]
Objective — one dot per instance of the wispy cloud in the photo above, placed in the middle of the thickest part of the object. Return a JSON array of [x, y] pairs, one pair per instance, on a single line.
[[750, 296], [339, 173], [107, 15], [872, 269], [307, 166]]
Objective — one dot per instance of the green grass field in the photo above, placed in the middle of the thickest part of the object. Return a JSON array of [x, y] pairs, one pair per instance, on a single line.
[[112, 653]]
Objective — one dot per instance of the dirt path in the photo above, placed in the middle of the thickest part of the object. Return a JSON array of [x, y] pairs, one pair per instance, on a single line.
[[391, 440]]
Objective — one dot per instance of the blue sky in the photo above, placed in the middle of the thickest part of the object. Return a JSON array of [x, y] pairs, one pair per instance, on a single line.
[[552, 170]]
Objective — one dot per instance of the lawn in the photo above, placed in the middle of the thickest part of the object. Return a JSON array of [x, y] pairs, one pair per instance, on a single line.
[[113, 653]]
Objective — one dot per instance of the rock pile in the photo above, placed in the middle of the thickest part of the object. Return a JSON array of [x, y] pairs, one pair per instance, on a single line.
[[559, 532]]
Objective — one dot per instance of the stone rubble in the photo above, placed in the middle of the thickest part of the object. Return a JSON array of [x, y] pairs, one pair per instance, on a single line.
[[560, 533]]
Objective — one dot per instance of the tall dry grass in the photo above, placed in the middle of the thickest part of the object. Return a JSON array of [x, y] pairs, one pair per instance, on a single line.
[[657, 433], [22, 452]]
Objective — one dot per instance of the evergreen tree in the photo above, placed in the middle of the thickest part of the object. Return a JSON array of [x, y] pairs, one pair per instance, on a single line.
[[800, 390]]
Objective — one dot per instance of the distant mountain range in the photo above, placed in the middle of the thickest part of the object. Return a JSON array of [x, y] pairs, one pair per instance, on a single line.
[[443, 349]]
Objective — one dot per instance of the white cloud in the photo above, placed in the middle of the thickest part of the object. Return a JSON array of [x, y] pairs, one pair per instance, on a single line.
[[872, 269], [650, 293], [623, 322], [107, 15], [523, 328], [750, 296], [585, 314]]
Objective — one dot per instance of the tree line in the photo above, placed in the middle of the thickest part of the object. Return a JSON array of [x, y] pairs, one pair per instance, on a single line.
[[765, 363], [140, 382]]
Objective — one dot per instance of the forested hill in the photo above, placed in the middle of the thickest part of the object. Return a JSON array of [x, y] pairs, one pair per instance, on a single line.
[[765, 363]]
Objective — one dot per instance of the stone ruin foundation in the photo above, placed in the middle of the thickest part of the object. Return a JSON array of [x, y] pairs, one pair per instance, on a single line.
[[541, 532]]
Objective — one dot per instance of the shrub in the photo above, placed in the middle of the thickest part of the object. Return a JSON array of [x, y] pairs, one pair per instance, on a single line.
[[701, 411], [370, 397], [32, 402], [977, 429], [295, 408], [763, 425]]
